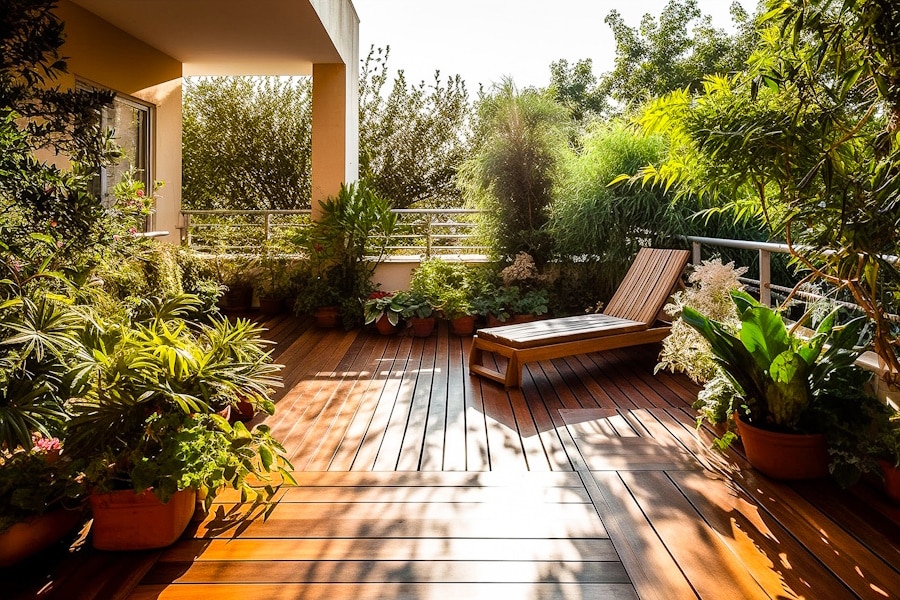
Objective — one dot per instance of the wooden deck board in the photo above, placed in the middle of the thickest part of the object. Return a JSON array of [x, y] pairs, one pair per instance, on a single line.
[[589, 481]]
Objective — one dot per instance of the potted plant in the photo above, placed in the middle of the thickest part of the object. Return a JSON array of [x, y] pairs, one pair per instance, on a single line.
[[272, 279], [145, 402], [791, 394], [886, 451], [449, 288], [39, 338], [384, 309], [235, 273], [40, 499], [494, 303], [345, 245], [419, 313], [529, 305]]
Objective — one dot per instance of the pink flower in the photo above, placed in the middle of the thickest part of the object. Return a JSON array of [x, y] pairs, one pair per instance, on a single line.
[[140, 193], [132, 230], [44, 445], [59, 244]]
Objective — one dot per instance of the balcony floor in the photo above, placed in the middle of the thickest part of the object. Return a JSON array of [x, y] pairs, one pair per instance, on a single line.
[[418, 481]]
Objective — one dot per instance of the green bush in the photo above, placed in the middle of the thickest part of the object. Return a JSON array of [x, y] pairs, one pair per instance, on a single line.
[[521, 142]]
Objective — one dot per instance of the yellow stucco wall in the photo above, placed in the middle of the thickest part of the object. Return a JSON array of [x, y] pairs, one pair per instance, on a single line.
[[102, 54]]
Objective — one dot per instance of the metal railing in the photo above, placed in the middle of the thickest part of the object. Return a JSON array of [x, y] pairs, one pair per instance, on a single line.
[[764, 283], [423, 232]]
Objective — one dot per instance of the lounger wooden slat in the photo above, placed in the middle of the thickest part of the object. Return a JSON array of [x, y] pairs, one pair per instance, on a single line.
[[629, 319]]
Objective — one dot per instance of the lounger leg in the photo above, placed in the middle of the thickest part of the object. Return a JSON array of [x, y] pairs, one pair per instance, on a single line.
[[476, 356], [476, 365], [513, 372]]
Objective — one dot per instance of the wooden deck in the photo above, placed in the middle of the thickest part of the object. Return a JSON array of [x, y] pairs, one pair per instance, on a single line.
[[418, 481]]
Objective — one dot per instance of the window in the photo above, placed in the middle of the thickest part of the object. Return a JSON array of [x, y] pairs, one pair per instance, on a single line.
[[130, 121]]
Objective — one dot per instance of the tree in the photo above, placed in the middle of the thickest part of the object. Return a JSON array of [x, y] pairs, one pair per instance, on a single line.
[[514, 169], [413, 139], [247, 143], [807, 137], [576, 88], [36, 196], [666, 55]]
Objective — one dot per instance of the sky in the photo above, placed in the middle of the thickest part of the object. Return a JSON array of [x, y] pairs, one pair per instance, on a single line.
[[484, 40]]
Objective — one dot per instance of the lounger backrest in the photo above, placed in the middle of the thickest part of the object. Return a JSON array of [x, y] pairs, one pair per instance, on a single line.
[[647, 285]]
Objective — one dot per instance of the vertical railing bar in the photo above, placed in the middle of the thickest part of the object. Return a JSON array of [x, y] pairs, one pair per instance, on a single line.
[[695, 258], [186, 234], [765, 277]]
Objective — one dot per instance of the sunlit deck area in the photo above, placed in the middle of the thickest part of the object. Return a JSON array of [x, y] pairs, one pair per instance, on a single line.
[[419, 481]]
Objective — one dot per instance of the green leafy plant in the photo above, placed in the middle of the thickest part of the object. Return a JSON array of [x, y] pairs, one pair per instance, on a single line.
[[34, 481], [273, 274], [146, 391], [447, 286], [531, 302], [384, 304], [39, 329], [415, 305], [776, 374], [513, 172], [784, 382], [345, 245]]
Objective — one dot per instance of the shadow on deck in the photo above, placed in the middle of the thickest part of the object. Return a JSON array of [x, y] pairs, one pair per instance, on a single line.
[[417, 481]]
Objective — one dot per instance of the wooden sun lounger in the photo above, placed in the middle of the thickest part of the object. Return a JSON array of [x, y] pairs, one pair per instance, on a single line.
[[629, 319]]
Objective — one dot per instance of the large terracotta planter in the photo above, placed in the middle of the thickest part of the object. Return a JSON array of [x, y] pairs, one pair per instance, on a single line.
[[422, 326], [891, 479], [785, 456], [463, 325], [327, 317], [125, 520], [384, 326], [30, 537]]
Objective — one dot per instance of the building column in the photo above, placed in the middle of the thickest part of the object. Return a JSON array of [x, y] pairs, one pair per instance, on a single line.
[[335, 130]]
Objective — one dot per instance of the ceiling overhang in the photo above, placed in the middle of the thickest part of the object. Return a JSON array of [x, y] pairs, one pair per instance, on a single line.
[[226, 37]]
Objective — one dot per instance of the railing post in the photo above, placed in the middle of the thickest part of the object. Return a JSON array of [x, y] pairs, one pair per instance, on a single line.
[[186, 234], [765, 278], [268, 220], [695, 258], [428, 235]]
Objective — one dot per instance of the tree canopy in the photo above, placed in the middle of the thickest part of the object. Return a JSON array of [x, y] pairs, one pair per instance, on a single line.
[[412, 139], [675, 52], [247, 142]]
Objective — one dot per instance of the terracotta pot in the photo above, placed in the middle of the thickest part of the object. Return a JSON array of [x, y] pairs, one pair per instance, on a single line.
[[384, 326], [30, 537], [125, 520], [243, 411], [238, 298], [463, 325], [785, 456], [270, 306], [493, 321], [891, 479], [327, 317], [422, 326], [516, 319]]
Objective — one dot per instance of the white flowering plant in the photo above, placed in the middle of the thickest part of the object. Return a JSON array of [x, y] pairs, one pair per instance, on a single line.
[[685, 350]]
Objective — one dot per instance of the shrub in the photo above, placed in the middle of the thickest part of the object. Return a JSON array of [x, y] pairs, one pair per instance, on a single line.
[[521, 141], [685, 350]]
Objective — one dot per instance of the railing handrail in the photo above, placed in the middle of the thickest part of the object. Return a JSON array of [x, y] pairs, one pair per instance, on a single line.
[[434, 231]]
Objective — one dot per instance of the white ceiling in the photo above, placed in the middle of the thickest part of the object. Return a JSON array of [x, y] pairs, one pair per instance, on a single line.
[[226, 37]]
